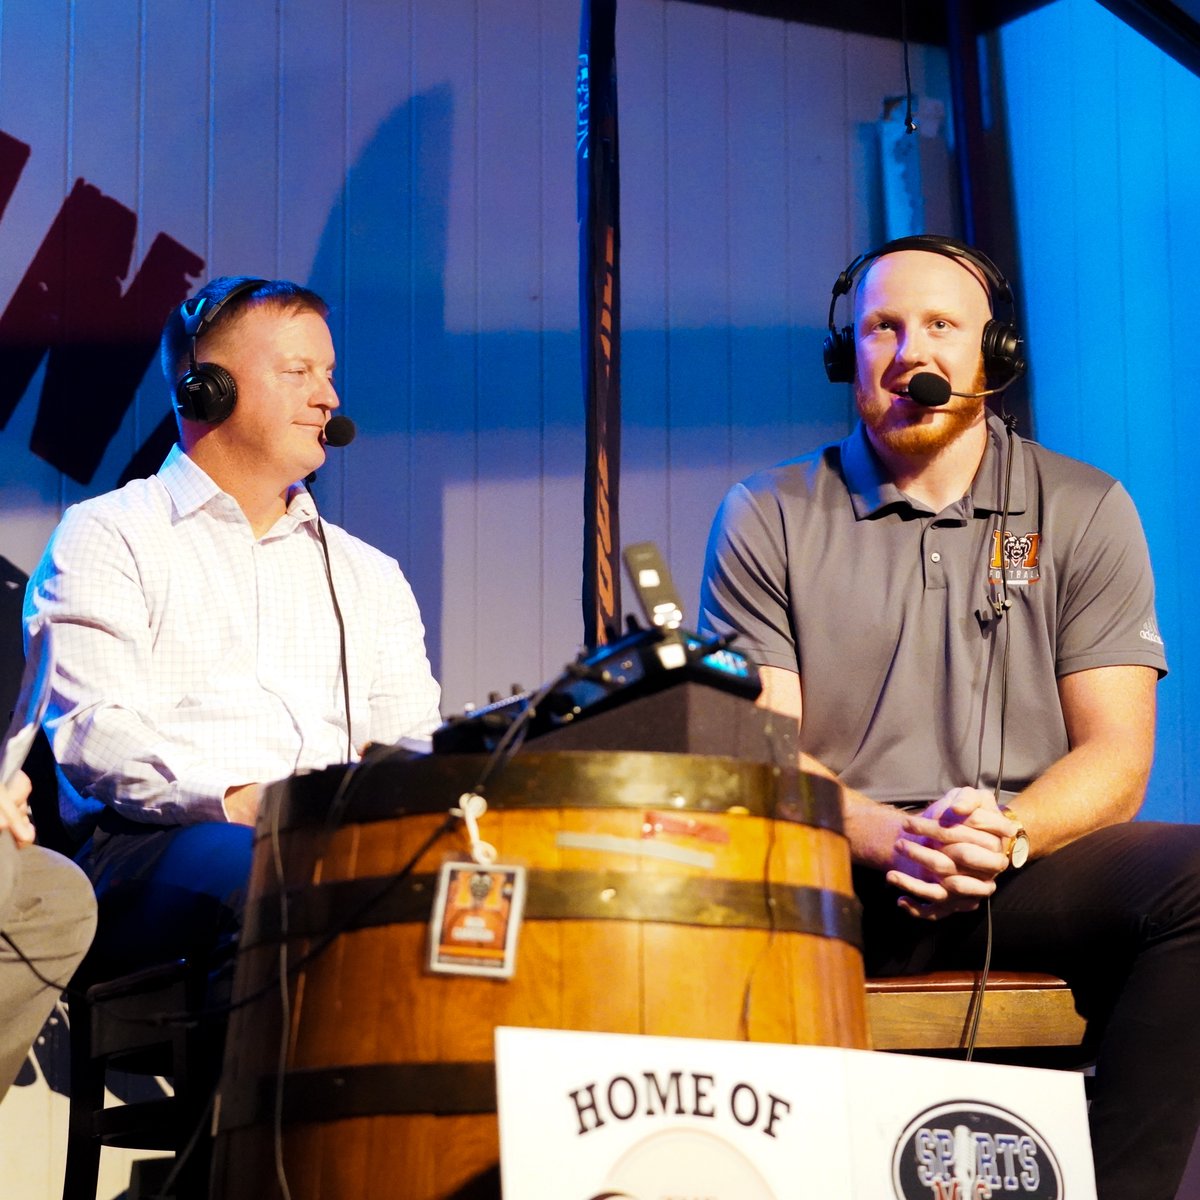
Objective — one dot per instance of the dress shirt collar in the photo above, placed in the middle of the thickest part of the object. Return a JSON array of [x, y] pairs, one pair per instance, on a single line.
[[191, 488]]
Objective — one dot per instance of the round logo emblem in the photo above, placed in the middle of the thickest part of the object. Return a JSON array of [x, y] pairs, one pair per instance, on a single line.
[[968, 1150]]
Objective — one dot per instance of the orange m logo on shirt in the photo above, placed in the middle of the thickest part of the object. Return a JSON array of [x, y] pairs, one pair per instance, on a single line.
[[1014, 550]]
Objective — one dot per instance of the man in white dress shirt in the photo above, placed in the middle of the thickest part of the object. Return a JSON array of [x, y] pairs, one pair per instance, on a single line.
[[197, 625]]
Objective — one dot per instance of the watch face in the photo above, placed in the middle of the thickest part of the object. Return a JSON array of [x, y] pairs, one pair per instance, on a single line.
[[1019, 854]]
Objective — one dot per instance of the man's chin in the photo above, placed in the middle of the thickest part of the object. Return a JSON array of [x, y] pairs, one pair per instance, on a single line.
[[924, 439], [924, 433], [311, 452]]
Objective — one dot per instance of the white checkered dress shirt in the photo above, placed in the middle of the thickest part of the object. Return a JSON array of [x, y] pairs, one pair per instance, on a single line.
[[192, 657]]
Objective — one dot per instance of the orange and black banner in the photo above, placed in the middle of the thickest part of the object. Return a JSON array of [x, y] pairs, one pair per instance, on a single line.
[[600, 314]]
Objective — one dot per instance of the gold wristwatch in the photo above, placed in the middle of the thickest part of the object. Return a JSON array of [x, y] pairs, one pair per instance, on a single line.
[[1018, 846]]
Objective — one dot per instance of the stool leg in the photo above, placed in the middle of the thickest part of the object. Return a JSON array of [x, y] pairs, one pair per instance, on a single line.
[[87, 1096], [195, 1087], [195, 1120], [198, 1054]]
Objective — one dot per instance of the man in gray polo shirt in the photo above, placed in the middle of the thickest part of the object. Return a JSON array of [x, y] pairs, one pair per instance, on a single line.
[[963, 622]]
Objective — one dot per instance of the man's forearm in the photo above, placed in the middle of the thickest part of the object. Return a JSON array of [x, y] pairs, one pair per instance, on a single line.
[[112, 754], [1101, 781], [872, 827], [1093, 786]]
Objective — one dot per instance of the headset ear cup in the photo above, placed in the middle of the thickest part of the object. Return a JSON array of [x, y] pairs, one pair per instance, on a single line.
[[207, 393], [838, 352], [1002, 351]]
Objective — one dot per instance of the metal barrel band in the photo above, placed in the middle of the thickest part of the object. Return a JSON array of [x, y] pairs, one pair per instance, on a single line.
[[566, 780], [324, 1094], [571, 895]]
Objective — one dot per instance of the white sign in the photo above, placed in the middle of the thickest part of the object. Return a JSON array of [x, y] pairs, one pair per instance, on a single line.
[[593, 1116]]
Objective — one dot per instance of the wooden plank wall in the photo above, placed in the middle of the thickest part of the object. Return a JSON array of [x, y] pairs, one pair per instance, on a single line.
[[415, 163]]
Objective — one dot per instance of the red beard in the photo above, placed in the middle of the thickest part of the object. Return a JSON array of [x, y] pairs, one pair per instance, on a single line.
[[903, 428]]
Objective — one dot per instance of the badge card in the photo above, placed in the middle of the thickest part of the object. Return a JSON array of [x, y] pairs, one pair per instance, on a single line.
[[475, 919]]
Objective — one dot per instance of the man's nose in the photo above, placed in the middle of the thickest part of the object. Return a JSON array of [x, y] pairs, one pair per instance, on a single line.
[[327, 396], [912, 346]]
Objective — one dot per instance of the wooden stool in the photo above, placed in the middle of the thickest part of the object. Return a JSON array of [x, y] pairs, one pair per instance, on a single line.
[[114, 1029], [1023, 1012]]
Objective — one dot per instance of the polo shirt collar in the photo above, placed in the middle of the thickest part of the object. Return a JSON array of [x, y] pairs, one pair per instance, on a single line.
[[987, 492], [191, 488], [872, 491], [870, 488]]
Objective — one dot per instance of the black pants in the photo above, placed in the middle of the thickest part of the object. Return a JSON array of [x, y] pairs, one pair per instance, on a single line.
[[165, 891], [1117, 915]]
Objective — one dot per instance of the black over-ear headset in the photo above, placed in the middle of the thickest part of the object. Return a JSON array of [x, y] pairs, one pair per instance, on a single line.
[[207, 392], [1003, 359]]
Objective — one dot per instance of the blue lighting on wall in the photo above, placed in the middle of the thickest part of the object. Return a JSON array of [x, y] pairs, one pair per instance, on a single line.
[[1106, 184]]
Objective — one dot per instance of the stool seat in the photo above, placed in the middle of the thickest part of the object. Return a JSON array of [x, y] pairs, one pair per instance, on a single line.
[[931, 1012]]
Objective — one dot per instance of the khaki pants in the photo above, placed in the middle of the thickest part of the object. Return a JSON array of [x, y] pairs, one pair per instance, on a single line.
[[48, 910]]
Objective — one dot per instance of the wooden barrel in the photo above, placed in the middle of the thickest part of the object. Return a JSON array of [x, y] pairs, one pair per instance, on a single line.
[[667, 894]]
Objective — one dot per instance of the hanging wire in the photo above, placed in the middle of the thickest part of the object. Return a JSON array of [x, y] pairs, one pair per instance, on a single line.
[[910, 126]]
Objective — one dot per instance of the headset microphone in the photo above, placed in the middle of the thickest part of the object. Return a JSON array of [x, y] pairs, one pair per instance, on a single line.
[[1001, 345], [933, 391], [339, 431], [928, 389]]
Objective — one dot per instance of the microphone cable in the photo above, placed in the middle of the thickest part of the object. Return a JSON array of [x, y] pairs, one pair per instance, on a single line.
[[341, 624], [1000, 607]]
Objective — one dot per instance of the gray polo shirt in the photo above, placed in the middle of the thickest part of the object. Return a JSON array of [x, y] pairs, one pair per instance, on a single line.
[[824, 566]]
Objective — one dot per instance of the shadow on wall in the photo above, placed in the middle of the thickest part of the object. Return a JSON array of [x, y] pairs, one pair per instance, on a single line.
[[460, 433], [443, 413], [384, 249]]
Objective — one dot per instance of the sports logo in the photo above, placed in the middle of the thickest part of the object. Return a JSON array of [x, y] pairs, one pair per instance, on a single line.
[[969, 1150], [1017, 555]]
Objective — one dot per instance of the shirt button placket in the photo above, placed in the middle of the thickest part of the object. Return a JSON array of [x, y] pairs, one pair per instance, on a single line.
[[935, 573]]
